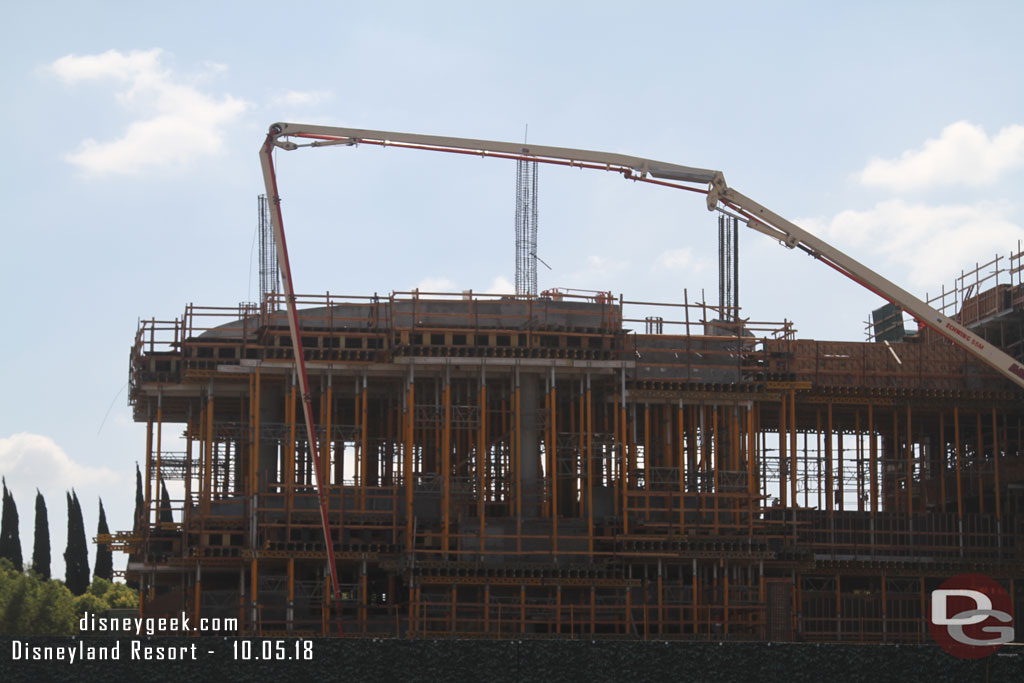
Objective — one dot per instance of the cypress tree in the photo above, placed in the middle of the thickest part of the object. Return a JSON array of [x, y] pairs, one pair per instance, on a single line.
[[140, 502], [165, 504], [104, 557], [41, 548], [76, 556], [137, 525], [10, 538]]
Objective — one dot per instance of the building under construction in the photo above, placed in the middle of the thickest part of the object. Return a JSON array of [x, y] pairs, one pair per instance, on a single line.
[[575, 464], [550, 466]]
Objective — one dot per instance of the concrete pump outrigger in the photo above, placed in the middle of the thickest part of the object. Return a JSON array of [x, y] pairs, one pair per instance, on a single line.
[[720, 197]]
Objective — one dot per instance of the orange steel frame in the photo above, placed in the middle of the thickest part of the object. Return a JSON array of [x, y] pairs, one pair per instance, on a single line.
[[488, 474]]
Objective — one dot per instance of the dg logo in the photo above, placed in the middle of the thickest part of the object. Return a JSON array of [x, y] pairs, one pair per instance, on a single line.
[[971, 616]]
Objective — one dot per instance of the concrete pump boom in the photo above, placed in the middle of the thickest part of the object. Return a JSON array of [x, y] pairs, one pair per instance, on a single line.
[[720, 197]]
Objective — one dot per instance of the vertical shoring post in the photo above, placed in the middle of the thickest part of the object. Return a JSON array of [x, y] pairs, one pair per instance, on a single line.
[[580, 417], [977, 467], [703, 465], [357, 442], [211, 453], [807, 474], [522, 608], [872, 460], [623, 452], [487, 606], [647, 460], [959, 487], [783, 489], [762, 456], [696, 598], [256, 399], [894, 459], [290, 614], [198, 590], [681, 460], [629, 607], [363, 398], [859, 454], [517, 469], [792, 452], [716, 465], [407, 464], [615, 466], [546, 441], [829, 481], [363, 590], [751, 469], [553, 456], [995, 476], [159, 448], [327, 410], [817, 454], [186, 515], [839, 610], [291, 471], [661, 602], [481, 460], [923, 610], [241, 594], [910, 460], [590, 474], [942, 453], [147, 519], [885, 616], [734, 461], [797, 621], [200, 436], [725, 595], [254, 594], [841, 489], [270, 179], [446, 466]]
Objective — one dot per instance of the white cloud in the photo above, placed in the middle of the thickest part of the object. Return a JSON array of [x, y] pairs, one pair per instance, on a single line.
[[300, 98], [437, 284], [676, 258], [920, 245], [602, 265], [35, 459], [962, 155], [501, 285], [176, 124]]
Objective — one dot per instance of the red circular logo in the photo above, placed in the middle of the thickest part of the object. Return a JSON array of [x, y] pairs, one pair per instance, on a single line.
[[970, 616]]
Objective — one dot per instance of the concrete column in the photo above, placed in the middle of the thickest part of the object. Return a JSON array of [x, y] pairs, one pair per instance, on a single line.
[[529, 443], [271, 417]]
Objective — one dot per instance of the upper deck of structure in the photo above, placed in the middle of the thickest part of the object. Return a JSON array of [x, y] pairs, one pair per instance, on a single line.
[[661, 346]]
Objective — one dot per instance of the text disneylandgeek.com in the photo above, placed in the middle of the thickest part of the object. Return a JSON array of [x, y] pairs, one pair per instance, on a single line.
[[137, 648]]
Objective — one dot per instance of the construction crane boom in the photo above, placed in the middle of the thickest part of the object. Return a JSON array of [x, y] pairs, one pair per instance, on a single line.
[[720, 197]]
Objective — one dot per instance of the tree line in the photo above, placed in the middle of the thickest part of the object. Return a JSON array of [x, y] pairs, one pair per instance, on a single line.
[[31, 601]]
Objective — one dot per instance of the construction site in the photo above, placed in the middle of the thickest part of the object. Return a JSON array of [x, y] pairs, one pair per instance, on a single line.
[[575, 464]]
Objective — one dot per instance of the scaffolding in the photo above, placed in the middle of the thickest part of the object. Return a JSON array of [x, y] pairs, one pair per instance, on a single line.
[[507, 467]]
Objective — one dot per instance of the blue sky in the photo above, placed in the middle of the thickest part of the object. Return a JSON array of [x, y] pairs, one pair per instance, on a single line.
[[891, 129]]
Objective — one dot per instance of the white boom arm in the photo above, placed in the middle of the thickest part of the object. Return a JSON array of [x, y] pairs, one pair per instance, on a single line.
[[718, 193]]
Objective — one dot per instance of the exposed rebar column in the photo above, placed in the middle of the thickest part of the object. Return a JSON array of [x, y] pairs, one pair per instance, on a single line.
[[526, 228], [270, 274], [728, 267]]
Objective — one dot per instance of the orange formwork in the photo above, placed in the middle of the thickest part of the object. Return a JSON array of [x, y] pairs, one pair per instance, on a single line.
[[569, 465]]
